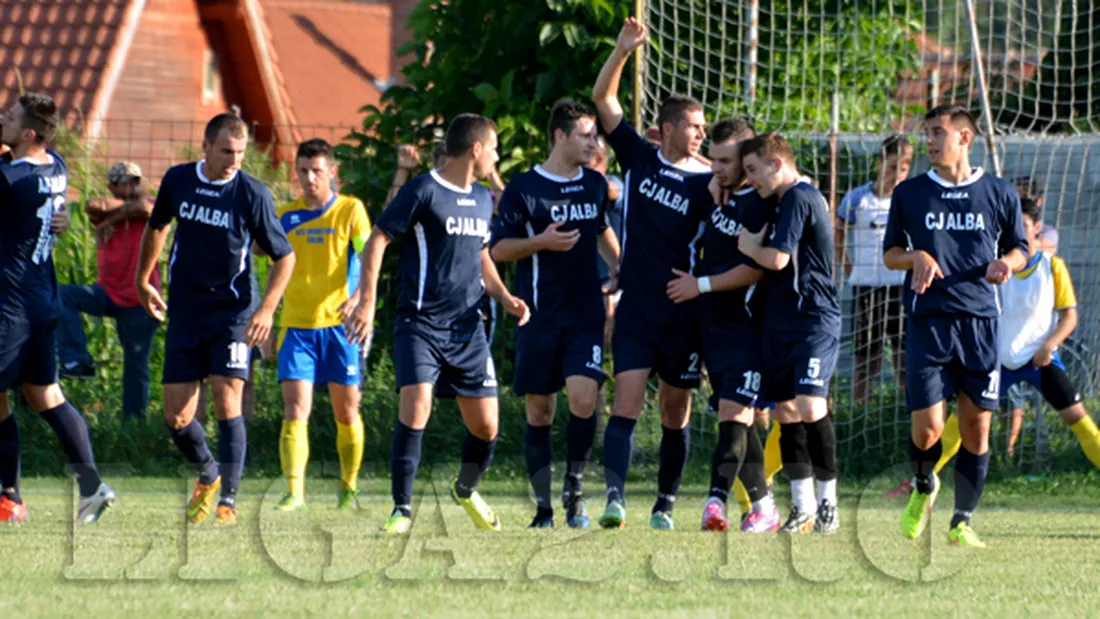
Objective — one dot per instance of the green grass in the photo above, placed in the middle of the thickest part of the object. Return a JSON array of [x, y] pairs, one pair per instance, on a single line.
[[141, 560]]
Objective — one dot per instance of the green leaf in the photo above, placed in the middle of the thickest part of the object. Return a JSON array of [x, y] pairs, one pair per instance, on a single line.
[[506, 85], [484, 92], [548, 33]]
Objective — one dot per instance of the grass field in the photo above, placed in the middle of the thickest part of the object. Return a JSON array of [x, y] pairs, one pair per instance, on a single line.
[[141, 560]]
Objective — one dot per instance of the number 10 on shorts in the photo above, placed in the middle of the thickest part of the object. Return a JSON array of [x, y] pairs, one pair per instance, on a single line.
[[238, 355]]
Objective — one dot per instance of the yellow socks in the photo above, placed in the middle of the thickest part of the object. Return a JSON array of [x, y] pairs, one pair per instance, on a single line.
[[294, 454], [952, 441], [773, 458], [349, 445], [1089, 437]]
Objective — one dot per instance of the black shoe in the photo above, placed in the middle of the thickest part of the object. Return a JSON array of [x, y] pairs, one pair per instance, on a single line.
[[542, 520], [828, 521], [77, 371], [798, 522]]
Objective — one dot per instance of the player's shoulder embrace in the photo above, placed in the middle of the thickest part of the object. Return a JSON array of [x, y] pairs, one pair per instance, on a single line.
[[803, 191]]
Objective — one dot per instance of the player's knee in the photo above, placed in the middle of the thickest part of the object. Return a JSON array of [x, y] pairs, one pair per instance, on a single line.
[[539, 416], [42, 398], [1070, 415], [582, 403], [811, 408]]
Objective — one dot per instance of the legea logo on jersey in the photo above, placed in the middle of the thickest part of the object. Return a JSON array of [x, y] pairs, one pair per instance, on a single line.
[[954, 221], [210, 193], [954, 195], [572, 188], [574, 212], [466, 202], [670, 174], [661, 195]]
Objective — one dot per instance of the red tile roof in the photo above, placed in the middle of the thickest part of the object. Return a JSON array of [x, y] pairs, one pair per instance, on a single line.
[[63, 49], [331, 58]]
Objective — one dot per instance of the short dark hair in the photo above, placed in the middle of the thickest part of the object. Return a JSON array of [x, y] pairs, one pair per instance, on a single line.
[[674, 108], [565, 114], [40, 115], [768, 146], [463, 131], [956, 112], [230, 121], [1031, 208], [731, 128], [437, 153], [315, 147], [1028, 187], [895, 145]]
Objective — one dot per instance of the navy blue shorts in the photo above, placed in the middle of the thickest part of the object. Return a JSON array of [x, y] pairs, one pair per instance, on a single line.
[[318, 356], [733, 363], [798, 363], [547, 355], [1052, 381], [458, 363], [27, 354], [670, 347], [193, 352], [945, 355]]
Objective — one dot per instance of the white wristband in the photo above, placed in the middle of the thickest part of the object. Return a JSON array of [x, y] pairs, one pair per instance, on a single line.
[[704, 285]]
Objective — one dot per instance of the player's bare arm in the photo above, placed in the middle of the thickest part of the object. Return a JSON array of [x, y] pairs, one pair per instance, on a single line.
[[360, 321], [610, 250], [496, 289], [752, 245], [1001, 269], [550, 239], [152, 243], [686, 286], [259, 324], [924, 266], [605, 93]]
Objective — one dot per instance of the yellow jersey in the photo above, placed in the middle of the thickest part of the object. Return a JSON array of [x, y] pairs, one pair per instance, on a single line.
[[327, 243]]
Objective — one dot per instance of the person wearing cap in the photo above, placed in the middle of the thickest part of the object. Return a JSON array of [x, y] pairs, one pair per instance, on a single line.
[[119, 223]]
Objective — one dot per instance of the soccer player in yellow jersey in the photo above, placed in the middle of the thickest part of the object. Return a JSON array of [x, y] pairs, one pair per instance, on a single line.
[[328, 232]]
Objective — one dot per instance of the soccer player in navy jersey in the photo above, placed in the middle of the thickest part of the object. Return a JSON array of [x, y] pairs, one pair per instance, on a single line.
[[958, 233], [443, 218], [33, 184], [662, 226], [553, 221], [731, 318], [801, 329], [215, 316]]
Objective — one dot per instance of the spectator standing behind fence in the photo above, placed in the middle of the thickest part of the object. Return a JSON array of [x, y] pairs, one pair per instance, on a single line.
[[877, 290], [119, 221]]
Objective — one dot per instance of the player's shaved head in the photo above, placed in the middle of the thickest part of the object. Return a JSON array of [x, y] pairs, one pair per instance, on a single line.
[[959, 116], [767, 147], [731, 129], [464, 131], [565, 115], [228, 121]]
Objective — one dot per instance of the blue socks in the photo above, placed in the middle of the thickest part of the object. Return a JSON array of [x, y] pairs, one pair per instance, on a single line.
[[970, 473], [191, 441], [618, 446], [72, 433], [539, 452], [579, 434], [232, 445], [476, 455], [404, 460], [675, 445]]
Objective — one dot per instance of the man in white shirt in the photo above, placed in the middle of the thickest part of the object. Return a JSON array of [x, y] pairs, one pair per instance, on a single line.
[[879, 314]]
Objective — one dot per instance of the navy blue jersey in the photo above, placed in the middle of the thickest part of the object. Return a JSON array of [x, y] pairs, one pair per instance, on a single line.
[[964, 227], [210, 280], [439, 270], [30, 194], [802, 297], [561, 288], [719, 253], [663, 224]]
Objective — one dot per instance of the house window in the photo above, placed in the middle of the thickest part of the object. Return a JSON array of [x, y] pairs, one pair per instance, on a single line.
[[211, 79]]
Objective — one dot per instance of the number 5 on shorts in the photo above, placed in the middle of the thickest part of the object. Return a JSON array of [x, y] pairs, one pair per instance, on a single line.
[[814, 368]]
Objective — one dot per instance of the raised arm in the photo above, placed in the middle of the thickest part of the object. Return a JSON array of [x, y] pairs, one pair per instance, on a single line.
[[605, 94]]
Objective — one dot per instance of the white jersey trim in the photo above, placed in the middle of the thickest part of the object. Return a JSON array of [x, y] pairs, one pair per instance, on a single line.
[[534, 269], [449, 185], [202, 177], [693, 165], [422, 272], [975, 174], [558, 179]]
